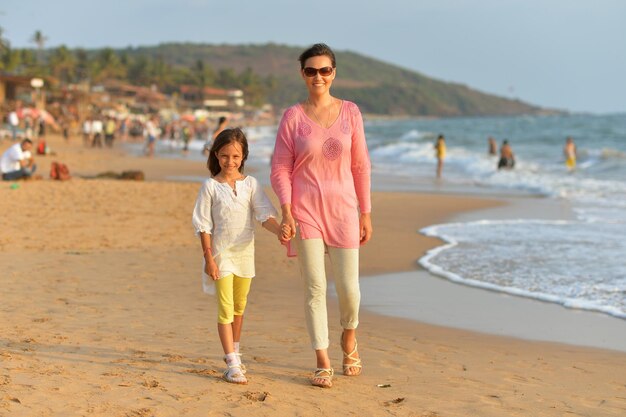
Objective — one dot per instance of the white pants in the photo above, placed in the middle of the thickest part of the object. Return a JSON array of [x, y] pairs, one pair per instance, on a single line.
[[345, 267]]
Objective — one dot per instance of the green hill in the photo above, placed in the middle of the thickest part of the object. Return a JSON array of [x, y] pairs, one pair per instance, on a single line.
[[377, 87]]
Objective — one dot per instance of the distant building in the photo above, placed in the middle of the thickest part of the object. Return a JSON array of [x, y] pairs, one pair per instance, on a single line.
[[15, 88], [212, 99], [117, 92]]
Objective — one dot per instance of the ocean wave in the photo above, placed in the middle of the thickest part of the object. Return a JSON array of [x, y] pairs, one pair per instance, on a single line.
[[544, 260]]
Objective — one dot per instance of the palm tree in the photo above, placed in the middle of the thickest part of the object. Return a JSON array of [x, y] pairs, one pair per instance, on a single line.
[[62, 63], [4, 43], [40, 40], [5, 49], [12, 60], [108, 66]]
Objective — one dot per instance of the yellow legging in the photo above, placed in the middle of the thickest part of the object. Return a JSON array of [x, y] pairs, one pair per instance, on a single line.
[[232, 296]]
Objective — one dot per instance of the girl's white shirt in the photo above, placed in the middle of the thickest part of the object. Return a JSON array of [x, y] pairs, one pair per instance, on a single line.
[[228, 218]]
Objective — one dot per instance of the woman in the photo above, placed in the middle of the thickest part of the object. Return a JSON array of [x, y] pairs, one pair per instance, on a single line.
[[321, 174]]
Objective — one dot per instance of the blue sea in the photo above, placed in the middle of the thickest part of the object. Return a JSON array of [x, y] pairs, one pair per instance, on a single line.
[[578, 262]]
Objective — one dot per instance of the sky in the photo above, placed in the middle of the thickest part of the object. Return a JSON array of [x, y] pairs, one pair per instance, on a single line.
[[563, 54]]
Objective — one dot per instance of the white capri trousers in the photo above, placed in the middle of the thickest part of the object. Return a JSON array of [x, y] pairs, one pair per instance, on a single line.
[[345, 267]]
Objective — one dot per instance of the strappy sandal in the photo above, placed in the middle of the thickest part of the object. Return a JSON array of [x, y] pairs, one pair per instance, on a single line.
[[234, 375], [326, 375], [241, 365], [355, 362]]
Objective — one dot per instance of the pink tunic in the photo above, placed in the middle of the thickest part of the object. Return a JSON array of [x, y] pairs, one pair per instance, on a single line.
[[324, 174]]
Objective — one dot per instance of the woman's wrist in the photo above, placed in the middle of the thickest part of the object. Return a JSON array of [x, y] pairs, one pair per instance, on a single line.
[[286, 210]]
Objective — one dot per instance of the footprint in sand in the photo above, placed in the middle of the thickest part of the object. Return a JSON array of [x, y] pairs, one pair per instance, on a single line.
[[173, 358], [142, 412], [256, 396], [204, 372], [42, 320], [151, 383]]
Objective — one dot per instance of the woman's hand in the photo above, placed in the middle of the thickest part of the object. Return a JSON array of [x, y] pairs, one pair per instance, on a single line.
[[365, 228], [287, 225], [210, 268]]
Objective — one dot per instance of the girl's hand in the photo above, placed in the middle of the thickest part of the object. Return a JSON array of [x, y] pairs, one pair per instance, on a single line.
[[211, 269], [286, 234], [288, 228], [365, 227]]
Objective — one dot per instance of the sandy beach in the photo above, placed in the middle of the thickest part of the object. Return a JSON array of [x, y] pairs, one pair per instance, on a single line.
[[103, 314]]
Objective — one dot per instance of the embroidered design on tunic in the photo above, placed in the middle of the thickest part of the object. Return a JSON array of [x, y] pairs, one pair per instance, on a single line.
[[332, 149], [304, 130], [345, 127], [290, 113]]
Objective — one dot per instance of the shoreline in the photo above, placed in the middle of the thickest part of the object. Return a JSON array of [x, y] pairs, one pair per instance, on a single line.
[[423, 296]]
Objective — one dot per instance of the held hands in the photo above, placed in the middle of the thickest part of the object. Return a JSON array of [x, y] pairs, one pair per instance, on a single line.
[[286, 233], [287, 228]]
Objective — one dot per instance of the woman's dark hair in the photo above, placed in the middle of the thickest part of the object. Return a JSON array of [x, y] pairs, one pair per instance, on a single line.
[[318, 49], [226, 137]]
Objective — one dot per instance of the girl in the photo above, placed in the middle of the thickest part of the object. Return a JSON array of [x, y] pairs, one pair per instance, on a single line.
[[223, 218]]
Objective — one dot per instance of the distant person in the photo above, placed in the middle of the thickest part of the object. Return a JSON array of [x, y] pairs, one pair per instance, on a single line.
[[224, 215], [123, 129], [65, 128], [14, 122], [440, 151], [151, 132], [110, 126], [569, 151], [507, 159], [28, 127], [221, 125], [186, 133], [17, 161], [41, 127], [493, 147], [87, 131], [97, 130]]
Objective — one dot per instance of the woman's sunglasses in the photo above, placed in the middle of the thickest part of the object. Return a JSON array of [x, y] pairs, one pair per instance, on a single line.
[[312, 72]]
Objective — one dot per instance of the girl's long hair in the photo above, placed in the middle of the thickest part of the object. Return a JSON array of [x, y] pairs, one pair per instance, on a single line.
[[226, 137]]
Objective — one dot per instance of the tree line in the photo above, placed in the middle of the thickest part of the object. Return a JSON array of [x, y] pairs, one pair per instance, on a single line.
[[80, 65]]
